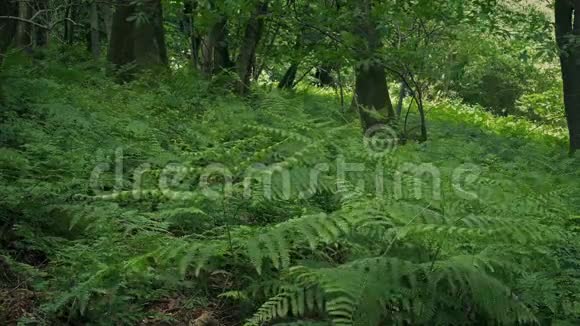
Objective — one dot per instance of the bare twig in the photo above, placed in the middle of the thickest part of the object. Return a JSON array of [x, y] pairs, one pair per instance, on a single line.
[[25, 21], [31, 22], [302, 77]]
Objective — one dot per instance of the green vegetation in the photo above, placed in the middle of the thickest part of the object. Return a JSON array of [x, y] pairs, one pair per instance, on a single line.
[[160, 189]]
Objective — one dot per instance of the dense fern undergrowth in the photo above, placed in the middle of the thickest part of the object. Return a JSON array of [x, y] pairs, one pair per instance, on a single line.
[[111, 217]]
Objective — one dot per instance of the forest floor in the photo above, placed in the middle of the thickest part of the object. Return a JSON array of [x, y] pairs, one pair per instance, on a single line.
[[72, 259]]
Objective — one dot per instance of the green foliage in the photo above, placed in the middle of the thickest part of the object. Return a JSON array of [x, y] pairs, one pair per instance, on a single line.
[[493, 74], [546, 107], [499, 246]]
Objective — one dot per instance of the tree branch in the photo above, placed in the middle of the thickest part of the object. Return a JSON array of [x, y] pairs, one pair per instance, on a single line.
[[51, 26], [25, 21]]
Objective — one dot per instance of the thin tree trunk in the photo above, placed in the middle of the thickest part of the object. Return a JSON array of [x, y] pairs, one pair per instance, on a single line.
[[402, 94], [207, 49], [247, 57], [341, 88], [422, 119], [66, 24], [189, 11], [301, 78], [372, 97], [106, 11], [95, 32], [567, 14]]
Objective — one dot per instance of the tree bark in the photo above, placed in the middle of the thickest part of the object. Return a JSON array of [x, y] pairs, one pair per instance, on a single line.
[[7, 32], [69, 27], [287, 81], [23, 29], [247, 57], [289, 78], [372, 97], [402, 95], [189, 12], [259, 68], [40, 36], [216, 53], [567, 14], [141, 43], [324, 76], [150, 47], [122, 44], [7, 26], [106, 11], [341, 89], [422, 119], [95, 32]]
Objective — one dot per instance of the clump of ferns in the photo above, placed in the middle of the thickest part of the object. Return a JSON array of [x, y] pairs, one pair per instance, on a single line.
[[371, 291], [436, 263], [468, 275]]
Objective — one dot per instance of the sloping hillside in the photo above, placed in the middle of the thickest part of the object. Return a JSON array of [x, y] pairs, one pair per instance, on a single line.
[[115, 211]]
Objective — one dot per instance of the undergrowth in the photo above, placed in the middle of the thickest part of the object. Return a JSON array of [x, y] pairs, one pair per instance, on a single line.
[[113, 202]]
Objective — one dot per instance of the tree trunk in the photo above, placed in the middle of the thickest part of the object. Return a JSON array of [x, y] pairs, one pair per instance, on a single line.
[[106, 11], [289, 78], [23, 29], [7, 26], [372, 97], [216, 54], [150, 47], [69, 27], [287, 81], [341, 88], [422, 119], [247, 57], [39, 9], [402, 95], [95, 32], [7, 32], [567, 14], [189, 11], [141, 43], [324, 76], [122, 44], [274, 33]]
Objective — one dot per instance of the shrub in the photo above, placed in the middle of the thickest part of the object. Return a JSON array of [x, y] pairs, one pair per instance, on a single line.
[[545, 107], [489, 73]]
